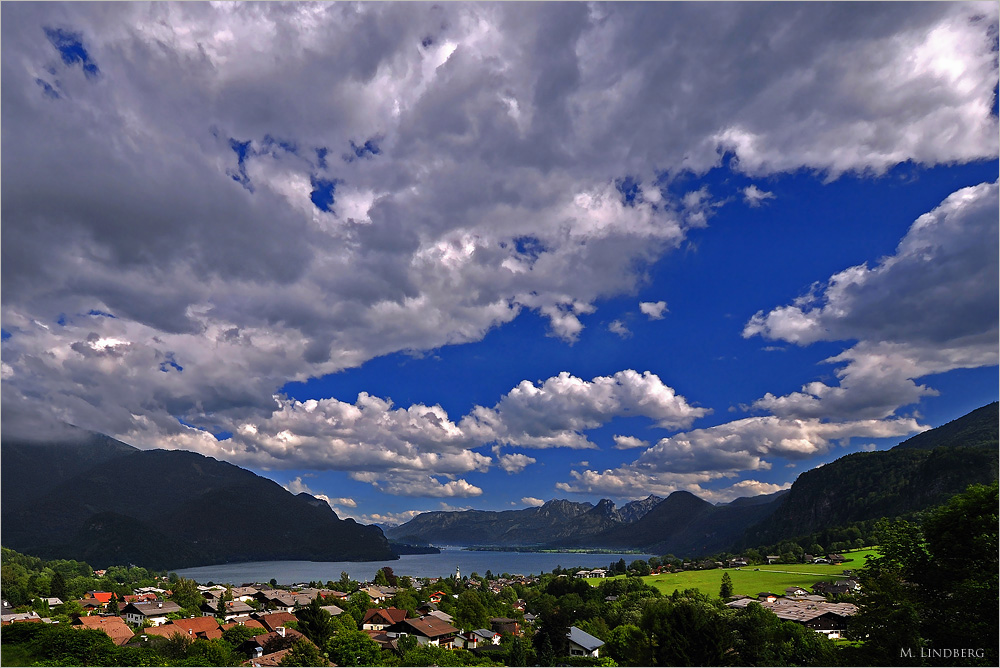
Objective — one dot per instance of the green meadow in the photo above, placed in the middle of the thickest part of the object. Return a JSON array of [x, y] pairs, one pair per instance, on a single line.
[[751, 580]]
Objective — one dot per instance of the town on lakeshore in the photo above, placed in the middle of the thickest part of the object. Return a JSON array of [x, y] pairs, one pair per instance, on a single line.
[[495, 618]]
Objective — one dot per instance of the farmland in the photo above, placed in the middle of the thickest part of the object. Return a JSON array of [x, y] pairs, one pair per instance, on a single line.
[[751, 580]]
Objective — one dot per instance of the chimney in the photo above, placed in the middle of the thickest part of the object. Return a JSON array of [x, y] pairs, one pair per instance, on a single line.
[[280, 631], [159, 605]]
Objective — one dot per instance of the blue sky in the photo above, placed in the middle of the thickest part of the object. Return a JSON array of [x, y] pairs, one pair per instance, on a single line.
[[477, 261]]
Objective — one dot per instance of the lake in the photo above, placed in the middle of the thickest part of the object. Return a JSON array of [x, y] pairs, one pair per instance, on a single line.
[[415, 565]]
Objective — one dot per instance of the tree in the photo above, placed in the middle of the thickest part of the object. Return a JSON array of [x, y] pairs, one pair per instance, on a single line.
[[551, 638], [470, 613], [354, 648], [112, 606], [316, 623], [406, 643], [303, 653], [346, 584], [933, 586], [57, 586], [211, 653], [516, 655], [686, 630], [237, 635], [185, 593], [726, 589], [628, 645], [432, 655], [380, 579], [639, 567]]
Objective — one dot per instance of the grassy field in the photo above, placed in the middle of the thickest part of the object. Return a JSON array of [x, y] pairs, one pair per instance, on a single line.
[[751, 580]]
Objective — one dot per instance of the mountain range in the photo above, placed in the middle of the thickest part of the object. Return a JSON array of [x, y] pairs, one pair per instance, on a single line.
[[95, 499], [558, 520], [916, 474]]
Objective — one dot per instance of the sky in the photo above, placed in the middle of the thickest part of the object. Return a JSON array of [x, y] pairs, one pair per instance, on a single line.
[[412, 257]]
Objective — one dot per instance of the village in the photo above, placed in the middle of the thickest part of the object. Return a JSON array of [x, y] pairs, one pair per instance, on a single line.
[[407, 613]]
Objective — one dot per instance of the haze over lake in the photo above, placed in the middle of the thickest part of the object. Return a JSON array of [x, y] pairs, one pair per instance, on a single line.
[[416, 565]]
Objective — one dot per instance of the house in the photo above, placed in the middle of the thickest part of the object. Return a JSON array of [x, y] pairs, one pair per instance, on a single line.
[[378, 619], [233, 609], [838, 587], [427, 630], [91, 605], [193, 627], [767, 596], [773, 558], [443, 616], [795, 591], [278, 599], [153, 612], [148, 590], [376, 594], [280, 639], [333, 593], [248, 622], [103, 596], [596, 573], [113, 627], [426, 608], [268, 660], [245, 594], [437, 596], [53, 601], [476, 639], [30, 616], [332, 609], [582, 643], [505, 625], [830, 619], [272, 621], [850, 583]]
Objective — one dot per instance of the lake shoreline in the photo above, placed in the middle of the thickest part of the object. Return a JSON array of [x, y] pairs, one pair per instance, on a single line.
[[442, 564]]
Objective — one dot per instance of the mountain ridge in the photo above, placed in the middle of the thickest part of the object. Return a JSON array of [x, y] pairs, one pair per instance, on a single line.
[[166, 509], [917, 473]]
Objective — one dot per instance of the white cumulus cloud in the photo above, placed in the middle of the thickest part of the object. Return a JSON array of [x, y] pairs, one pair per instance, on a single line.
[[946, 266], [754, 196], [654, 310]]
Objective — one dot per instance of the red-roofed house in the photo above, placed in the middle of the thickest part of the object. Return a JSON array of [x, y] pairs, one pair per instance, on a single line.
[[102, 596], [377, 619], [244, 621], [427, 630], [275, 619], [114, 627], [193, 627]]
